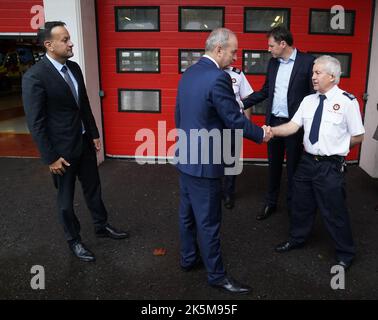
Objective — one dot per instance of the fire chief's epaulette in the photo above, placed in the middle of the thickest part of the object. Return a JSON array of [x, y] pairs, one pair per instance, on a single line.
[[238, 71], [349, 95]]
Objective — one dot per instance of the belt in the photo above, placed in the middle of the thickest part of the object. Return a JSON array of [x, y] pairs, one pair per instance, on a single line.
[[279, 119], [325, 158]]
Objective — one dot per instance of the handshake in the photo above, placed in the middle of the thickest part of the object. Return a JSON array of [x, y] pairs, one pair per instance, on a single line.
[[268, 133]]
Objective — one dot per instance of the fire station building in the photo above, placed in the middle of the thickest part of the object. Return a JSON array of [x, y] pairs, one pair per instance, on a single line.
[[134, 52]]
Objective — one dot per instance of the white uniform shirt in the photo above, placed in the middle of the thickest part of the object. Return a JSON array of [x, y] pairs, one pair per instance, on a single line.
[[240, 84], [341, 119]]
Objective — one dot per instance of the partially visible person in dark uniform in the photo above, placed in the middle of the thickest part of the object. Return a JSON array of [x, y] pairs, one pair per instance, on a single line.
[[332, 125], [288, 81], [242, 89]]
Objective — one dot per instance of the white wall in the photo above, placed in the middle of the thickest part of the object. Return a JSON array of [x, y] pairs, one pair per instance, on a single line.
[[79, 16], [369, 151]]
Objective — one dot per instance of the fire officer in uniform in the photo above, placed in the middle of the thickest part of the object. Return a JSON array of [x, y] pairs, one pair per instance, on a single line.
[[332, 125], [242, 89]]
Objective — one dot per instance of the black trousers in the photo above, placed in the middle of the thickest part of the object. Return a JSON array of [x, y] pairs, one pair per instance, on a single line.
[[321, 185], [277, 147], [85, 168], [229, 181], [228, 185]]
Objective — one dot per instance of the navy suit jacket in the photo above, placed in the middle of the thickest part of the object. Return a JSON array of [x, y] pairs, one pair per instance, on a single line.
[[300, 85], [206, 100], [53, 116]]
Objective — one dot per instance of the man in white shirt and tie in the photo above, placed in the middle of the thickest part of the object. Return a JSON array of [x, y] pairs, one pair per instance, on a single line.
[[332, 125]]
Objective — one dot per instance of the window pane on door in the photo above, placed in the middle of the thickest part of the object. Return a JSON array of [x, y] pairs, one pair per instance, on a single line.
[[200, 18], [138, 60], [134, 100], [325, 22], [189, 57], [137, 18], [264, 19], [255, 61]]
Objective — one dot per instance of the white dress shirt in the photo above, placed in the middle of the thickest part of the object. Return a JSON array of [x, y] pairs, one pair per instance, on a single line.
[[341, 119]]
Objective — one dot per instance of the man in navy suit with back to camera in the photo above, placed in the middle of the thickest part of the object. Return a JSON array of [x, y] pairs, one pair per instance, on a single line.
[[206, 102], [61, 123], [288, 81]]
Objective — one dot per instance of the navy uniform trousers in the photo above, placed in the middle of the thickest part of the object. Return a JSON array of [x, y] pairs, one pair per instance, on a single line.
[[85, 168], [320, 184], [200, 219]]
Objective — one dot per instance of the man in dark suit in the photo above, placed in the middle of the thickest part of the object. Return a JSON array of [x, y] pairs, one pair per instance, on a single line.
[[206, 102], [288, 81], [61, 122]]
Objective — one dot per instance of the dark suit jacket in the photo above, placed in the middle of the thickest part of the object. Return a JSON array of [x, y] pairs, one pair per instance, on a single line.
[[53, 116], [206, 100], [300, 85]]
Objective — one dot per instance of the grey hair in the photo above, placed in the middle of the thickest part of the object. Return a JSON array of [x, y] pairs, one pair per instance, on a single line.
[[219, 36], [332, 66]]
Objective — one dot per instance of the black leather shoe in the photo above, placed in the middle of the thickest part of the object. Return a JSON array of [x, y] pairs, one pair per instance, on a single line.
[[287, 246], [82, 252], [109, 232], [230, 285], [266, 212], [343, 264], [229, 201], [198, 264]]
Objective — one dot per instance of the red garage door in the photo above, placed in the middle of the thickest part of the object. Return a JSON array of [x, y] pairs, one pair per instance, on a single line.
[[145, 46]]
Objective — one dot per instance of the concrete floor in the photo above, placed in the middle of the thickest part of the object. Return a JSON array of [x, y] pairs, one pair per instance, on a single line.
[[144, 200], [14, 125]]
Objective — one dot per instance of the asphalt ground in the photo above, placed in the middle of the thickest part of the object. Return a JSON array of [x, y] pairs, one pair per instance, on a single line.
[[143, 199]]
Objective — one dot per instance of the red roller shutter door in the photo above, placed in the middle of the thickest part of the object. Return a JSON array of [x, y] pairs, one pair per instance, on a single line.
[[120, 127]]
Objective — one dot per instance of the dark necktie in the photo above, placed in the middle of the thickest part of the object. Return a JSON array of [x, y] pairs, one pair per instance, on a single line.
[[70, 83], [314, 132], [73, 90]]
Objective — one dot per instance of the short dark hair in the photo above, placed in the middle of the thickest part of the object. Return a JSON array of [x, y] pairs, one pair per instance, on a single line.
[[45, 32], [280, 33]]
